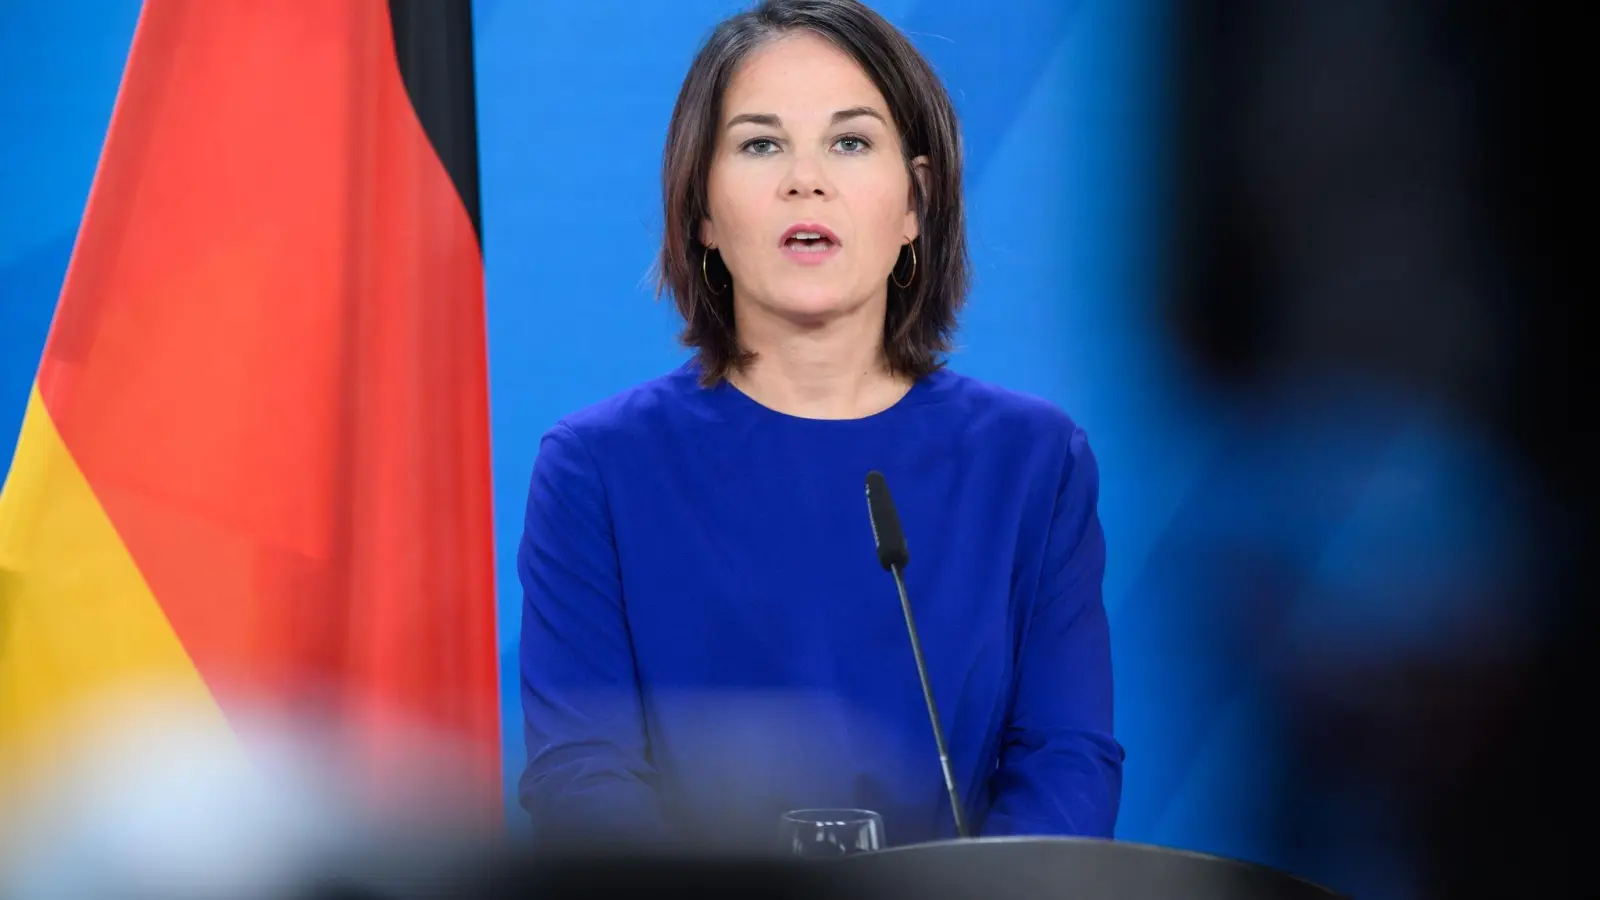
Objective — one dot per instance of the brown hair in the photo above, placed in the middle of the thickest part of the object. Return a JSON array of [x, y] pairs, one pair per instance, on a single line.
[[921, 318]]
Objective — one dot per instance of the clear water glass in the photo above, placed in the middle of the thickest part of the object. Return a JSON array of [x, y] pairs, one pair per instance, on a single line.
[[828, 833]]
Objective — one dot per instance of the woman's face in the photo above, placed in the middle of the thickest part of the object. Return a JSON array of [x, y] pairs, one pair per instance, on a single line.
[[809, 193]]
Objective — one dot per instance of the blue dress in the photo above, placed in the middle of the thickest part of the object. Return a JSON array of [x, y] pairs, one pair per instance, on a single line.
[[708, 639]]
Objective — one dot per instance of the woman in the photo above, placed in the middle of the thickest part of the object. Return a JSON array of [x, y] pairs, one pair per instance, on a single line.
[[708, 639]]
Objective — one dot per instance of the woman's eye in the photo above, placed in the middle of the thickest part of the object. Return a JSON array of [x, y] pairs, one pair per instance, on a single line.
[[761, 147], [851, 144]]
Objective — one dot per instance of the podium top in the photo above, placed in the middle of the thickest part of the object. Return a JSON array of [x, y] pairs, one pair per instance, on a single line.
[[982, 869], [1077, 868]]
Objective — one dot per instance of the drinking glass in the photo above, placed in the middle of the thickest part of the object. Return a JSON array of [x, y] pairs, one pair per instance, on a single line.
[[824, 833]]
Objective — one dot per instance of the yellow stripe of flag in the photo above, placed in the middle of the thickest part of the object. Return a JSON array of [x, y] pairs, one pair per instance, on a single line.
[[76, 618]]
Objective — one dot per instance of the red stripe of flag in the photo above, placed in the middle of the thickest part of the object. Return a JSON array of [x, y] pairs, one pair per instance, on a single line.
[[269, 358]]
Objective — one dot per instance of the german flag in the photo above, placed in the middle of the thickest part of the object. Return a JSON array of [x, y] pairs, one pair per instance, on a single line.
[[255, 464]]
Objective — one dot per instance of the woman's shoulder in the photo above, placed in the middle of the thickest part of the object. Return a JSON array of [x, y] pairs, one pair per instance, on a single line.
[[989, 406], [634, 413], [1025, 433]]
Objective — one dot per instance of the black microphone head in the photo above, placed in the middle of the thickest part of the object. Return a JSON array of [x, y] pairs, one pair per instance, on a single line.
[[891, 540]]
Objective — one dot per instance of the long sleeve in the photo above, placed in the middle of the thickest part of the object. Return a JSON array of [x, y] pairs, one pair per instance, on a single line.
[[589, 772], [1060, 770]]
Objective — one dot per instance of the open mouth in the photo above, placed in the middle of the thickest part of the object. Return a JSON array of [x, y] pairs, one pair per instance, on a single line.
[[809, 240]]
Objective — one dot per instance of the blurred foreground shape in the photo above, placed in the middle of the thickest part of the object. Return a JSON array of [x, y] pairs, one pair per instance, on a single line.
[[1376, 262]]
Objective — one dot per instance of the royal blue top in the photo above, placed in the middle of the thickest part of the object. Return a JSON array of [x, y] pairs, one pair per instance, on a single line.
[[708, 639]]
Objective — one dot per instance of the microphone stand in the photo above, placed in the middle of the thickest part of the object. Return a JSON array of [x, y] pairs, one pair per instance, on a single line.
[[933, 712]]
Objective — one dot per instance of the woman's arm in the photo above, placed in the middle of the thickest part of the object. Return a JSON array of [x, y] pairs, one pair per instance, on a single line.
[[1060, 769], [589, 772]]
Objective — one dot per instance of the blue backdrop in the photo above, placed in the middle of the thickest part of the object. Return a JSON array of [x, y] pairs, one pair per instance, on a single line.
[[1060, 106]]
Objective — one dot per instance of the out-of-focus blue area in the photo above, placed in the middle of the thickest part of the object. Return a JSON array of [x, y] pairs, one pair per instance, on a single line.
[[1330, 524]]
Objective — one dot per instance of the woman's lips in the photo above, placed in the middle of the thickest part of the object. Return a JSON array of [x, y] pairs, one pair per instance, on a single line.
[[808, 243]]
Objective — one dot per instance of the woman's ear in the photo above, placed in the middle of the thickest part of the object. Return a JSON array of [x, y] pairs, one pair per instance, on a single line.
[[919, 184], [708, 234]]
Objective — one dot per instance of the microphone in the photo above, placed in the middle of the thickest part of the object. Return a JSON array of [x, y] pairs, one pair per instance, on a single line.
[[893, 555]]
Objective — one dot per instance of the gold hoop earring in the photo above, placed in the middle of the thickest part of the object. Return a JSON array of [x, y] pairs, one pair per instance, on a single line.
[[707, 278], [913, 275]]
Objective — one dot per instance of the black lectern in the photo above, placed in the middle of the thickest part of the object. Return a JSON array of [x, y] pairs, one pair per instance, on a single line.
[[985, 869], [1080, 869]]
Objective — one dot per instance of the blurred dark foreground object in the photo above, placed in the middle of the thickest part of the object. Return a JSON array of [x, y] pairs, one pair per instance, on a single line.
[[994, 869], [1389, 202]]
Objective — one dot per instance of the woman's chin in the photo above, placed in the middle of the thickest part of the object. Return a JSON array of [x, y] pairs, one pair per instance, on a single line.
[[811, 308]]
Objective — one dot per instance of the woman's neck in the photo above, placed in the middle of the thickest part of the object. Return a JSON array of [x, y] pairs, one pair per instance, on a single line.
[[831, 370]]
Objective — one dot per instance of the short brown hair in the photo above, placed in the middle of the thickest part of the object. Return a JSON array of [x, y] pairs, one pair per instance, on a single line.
[[921, 319]]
